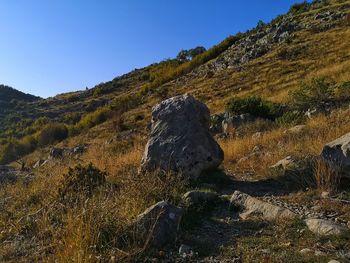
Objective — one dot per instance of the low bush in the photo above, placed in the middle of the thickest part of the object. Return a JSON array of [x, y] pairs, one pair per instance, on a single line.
[[255, 106], [290, 118], [81, 182], [299, 7], [342, 91], [327, 175], [52, 133], [321, 94], [14, 149]]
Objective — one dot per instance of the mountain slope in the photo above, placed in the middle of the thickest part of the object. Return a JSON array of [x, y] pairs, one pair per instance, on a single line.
[[7, 94], [108, 126], [269, 60]]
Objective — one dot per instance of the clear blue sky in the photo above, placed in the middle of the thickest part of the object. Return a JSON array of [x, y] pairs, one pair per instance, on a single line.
[[54, 46]]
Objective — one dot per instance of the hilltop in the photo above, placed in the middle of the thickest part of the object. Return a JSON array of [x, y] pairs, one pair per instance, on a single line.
[[282, 91]]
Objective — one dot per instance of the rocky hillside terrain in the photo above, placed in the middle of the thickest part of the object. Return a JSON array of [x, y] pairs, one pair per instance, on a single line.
[[238, 153]]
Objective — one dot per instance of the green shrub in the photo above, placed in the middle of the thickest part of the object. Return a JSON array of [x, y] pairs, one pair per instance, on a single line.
[[254, 105], [91, 120], [52, 133], [81, 182], [290, 118], [342, 91], [299, 8], [318, 93], [14, 149]]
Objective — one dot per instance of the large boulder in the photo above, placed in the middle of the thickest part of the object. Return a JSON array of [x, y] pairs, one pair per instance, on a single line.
[[338, 152], [158, 225], [180, 140]]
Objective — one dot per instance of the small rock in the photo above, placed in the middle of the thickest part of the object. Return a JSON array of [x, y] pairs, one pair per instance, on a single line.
[[333, 261], [79, 149], [38, 164], [56, 153], [159, 224], [324, 227], [256, 207], [296, 129], [257, 135], [284, 163]]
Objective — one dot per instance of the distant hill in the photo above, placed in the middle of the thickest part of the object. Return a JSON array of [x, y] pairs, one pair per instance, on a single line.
[[7, 94]]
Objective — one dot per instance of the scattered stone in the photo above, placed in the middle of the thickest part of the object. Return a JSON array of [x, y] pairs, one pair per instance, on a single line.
[[79, 149], [180, 140], [257, 135], [338, 152], [39, 163], [56, 153], [333, 261], [296, 129], [324, 227], [284, 163], [216, 122], [159, 224], [311, 113], [256, 207]]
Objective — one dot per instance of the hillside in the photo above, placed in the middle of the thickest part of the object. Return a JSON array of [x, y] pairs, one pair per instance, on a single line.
[[291, 76], [8, 94]]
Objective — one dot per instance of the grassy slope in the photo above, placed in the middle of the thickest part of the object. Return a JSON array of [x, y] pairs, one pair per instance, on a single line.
[[35, 227]]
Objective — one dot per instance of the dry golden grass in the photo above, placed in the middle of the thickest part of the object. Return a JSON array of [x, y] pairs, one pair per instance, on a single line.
[[277, 144], [327, 176], [35, 226]]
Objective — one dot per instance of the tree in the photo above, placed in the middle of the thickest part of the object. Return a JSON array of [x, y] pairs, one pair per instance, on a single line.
[[186, 55], [182, 55], [196, 51]]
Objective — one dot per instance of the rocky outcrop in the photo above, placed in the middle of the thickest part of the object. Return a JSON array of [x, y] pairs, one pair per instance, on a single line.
[[180, 140], [338, 152], [230, 124], [255, 207], [324, 227], [158, 225]]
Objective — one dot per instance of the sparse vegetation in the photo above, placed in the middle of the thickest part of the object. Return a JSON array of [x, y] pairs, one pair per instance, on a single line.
[[81, 181], [59, 213]]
